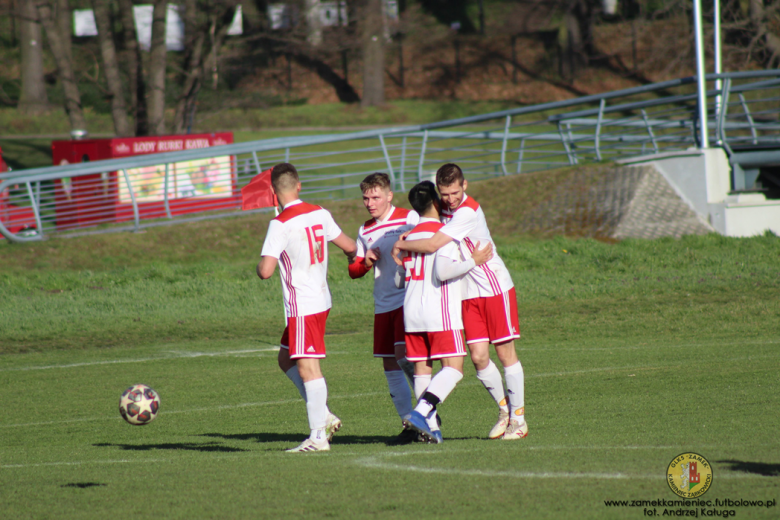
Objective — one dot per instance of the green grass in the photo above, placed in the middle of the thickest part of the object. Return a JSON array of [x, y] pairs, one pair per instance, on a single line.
[[633, 352]]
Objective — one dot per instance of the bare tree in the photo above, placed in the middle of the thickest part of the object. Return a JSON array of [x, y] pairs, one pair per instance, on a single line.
[[373, 53], [133, 63], [202, 29], [763, 19], [111, 65], [64, 23], [157, 65], [33, 98], [313, 22], [64, 68]]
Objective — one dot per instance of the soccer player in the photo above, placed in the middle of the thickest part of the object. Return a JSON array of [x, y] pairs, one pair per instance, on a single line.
[[432, 311], [374, 245], [489, 305], [297, 240]]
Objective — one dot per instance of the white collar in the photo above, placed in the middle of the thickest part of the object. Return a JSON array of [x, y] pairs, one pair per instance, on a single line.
[[389, 214], [293, 203]]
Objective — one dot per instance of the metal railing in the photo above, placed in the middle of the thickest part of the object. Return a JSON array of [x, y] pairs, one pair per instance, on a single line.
[[157, 189]]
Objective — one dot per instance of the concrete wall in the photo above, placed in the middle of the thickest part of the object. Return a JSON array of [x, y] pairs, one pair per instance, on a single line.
[[702, 178]]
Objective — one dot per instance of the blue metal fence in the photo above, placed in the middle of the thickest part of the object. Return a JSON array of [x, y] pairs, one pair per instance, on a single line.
[[743, 113]]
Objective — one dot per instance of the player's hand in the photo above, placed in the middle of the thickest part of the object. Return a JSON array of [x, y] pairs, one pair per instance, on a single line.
[[481, 256], [395, 252], [351, 255], [372, 257]]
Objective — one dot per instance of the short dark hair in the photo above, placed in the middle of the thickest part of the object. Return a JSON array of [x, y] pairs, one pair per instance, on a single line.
[[449, 174], [422, 196], [376, 180], [284, 177]]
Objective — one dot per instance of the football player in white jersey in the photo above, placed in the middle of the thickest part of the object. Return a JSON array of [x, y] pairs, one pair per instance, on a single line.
[[297, 240], [375, 241], [432, 311], [490, 303]]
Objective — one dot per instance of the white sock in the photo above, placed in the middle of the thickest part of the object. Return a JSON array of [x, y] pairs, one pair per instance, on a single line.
[[444, 383], [433, 424], [316, 407], [491, 380], [399, 392], [441, 386], [295, 377], [421, 384], [515, 386], [408, 368]]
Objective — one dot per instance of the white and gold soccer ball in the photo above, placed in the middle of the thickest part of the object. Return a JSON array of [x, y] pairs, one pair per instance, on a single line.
[[139, 405]]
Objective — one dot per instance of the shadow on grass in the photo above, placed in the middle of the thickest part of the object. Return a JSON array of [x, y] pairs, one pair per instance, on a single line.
[[83, 485], [759, 468], [298, 437], [338, 440], [187, 446]]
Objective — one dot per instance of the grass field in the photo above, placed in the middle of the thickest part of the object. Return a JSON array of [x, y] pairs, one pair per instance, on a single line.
[[633, 352]]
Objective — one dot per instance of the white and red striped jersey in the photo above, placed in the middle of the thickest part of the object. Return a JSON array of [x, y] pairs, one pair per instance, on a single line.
[[381, 235], [430, 305], [466, 225], [299, 238]]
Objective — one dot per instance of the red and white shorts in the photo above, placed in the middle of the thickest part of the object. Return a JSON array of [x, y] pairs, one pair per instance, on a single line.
[[422, 346], [304, 336], [388, 332], [491, 319]]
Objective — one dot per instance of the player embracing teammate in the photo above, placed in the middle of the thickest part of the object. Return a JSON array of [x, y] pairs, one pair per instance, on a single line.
[[489, 302], [297, 241], [432, 311]]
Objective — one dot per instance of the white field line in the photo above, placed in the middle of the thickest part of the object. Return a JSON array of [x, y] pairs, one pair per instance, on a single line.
[[352, 396], [175, 355], [78, 463], [375, 462], [185, 355]]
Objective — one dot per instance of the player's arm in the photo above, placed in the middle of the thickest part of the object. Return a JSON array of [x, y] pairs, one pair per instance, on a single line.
[[358, 267], [428, 245], [448, 267], [461, 224], [266, 267], [400, 275], [347, 245], [275, 242]]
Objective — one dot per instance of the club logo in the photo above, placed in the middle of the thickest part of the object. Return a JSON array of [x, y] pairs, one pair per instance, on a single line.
[[689, 475]]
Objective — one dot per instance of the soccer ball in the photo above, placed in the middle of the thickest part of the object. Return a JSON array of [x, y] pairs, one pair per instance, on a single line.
[[139, 405]]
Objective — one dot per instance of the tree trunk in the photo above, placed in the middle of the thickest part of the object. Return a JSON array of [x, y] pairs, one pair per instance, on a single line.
[[192, 76], [157, 64], [111, 65], [762, 33], [132, 59], [313, 22], [64, 68], [216, 32], [576, 41], [33, 98], [192, 83], [373, 54], [65, 25]]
